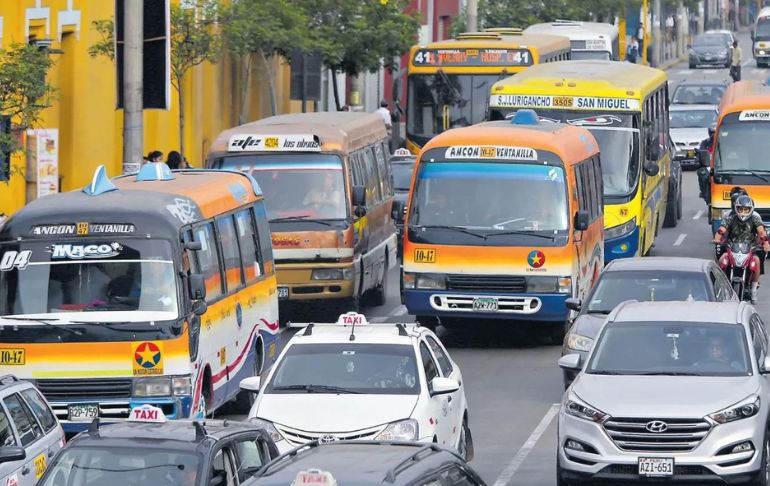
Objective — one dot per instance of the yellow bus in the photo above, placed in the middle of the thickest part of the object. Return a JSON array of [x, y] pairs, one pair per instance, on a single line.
[[625, 107], [448, 81]]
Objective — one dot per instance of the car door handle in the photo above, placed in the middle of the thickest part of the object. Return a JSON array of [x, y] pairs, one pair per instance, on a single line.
[[25, 470]]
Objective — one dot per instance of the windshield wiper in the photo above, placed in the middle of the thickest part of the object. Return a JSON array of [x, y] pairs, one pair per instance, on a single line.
[[47, 322], [316, 388], [606, 372], [599, 311], [302, 217], [669, 373], [459, 229], [524, 233]]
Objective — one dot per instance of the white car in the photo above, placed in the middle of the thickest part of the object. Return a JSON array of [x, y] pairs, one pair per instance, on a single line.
[[688, 126], [355, 380]]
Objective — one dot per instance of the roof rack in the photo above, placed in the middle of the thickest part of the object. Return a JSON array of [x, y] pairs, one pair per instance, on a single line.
[[390, 476], [9, 377], [479, 36], [200, 430], [505, 30]]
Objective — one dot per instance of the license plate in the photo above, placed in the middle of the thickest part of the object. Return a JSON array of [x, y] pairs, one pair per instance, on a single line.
[[283, 292], [12, 356], [87, 411], [691, 153], [485, 304], [656, 466]]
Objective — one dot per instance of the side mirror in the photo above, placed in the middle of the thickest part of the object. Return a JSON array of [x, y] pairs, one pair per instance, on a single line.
[[199, 307], [360, 211], [581, 220], [654, 151], [651, 168], [442, 386], [12, 453], [570, 362], [397, 211], [359, 196], [573, 303], [193, 245], [704, 158], [197, 286], [251, 384]]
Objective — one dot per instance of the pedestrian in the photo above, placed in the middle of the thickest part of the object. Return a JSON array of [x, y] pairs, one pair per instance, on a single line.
[[640, 37], [345, 107], [174, 160], [632, 51], [735, 64], [154, 156], [185, 163], [385, 114]]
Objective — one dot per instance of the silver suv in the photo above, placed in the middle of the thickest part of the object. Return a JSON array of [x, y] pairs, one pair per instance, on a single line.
[[670, 391], [30, 435]]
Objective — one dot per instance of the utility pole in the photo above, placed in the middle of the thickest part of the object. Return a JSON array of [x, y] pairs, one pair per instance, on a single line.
[[645, 38], [133, 65], [473, 15], [657, 42]]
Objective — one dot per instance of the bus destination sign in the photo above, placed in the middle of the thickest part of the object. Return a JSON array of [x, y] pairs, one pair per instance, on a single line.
[[472, 57]]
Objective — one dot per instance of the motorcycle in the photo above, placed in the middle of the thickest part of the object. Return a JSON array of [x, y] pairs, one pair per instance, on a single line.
[[737, 261]]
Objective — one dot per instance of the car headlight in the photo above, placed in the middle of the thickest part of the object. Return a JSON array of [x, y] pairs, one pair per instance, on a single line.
[[573, 406], [744, 409], [152, 387], [269, 428], [719, 213], [402, 430], [562, 285], [181, 385], [331, 274], [431, 281], [761, 52], [620, 230], [579, 342]]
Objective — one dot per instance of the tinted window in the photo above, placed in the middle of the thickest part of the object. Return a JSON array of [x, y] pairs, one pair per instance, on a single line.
[[247, 238], [443, 359], [208, 261], [248, 457], [232, 258], [431, 371], [6, 433], [39, 408], [264, 236], [28, 429]]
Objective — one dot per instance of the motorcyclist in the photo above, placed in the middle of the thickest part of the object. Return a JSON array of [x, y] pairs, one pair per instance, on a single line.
[[743, 225], [708, 143]]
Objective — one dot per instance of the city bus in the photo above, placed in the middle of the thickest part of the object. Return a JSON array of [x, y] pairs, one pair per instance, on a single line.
[[760, 38], [504, 221], [448, 81], [625, 107], [588, 40], [155, 288], [328, 191], [742, 142]]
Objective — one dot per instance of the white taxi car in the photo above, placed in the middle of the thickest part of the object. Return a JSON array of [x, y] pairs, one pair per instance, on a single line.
[[355, 380]]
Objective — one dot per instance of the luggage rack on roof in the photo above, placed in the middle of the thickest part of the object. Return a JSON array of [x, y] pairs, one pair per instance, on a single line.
[[349, 319], [9, 378]]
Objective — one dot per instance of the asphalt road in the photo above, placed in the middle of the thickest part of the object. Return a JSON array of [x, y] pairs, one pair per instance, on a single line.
[[512, 381]]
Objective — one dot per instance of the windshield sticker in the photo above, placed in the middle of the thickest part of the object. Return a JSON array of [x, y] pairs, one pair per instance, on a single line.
[[15, 259], [279, 143], [183, 210], [148, 359], [674, 349], [754, 115], [82, 229], [494, 152], [79, 252], [571, 102]]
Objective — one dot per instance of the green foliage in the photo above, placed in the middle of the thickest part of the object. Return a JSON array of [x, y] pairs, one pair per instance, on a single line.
[[194, 37], [275, 27], [105, 46], [24, 91]]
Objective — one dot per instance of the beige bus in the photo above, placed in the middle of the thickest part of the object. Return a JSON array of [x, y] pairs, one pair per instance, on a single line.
[[328, 192]]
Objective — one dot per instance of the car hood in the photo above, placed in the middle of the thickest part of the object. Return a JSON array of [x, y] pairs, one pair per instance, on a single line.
[[588, 325], [689, 135], [662, 396], [320, 412], [710, 49]]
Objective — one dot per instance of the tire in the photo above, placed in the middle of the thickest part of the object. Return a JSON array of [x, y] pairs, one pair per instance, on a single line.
[[379, 294], [245, 399], [465, 443], [763, 475], [679, 210], [738, 288], [692, 66], [430, 322], [670, 220], [557, 332]]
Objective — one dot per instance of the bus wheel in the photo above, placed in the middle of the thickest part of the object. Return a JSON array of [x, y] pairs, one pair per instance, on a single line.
[[670, 220], [380, 292], [245, 399]]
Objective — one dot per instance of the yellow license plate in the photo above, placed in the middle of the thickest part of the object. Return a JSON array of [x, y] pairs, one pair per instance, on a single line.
[[424, 255], [691, 153], [12, 356], [39, 466]]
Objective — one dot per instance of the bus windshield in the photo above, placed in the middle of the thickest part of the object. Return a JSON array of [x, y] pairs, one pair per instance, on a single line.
[[440, 101], [742, 147], [309, 186], [490, 199], [91, 278], [763, 29]]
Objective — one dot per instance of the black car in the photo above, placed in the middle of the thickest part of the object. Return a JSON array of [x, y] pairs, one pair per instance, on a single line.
[[401, 166], [366, 463], [711, 50], [699, 92], [641, 279], [160, 453]]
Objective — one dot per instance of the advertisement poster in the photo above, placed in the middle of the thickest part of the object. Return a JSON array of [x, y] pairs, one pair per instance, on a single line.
[[47, 157]]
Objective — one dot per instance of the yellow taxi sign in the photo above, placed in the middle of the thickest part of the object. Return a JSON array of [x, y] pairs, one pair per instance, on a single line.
[[352, 319], [314, 476], [147, 413]]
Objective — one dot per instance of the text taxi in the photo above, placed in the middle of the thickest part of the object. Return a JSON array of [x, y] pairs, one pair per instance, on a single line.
[[505, 221]]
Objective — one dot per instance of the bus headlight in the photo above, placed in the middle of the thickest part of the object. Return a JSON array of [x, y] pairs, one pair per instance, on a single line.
[[408, 279], [620, 230], [431, 281], [562, 285], [181, 385], [152, 387], [331, 274]]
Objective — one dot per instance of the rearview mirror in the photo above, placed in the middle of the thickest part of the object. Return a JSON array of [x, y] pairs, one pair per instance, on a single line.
[[704, 158], [581, 220], [573, 303], [359, 196], [12, 453], [197, 286], [570, 362], [441, 386], [397, 211], [651, 168], [251, 384]]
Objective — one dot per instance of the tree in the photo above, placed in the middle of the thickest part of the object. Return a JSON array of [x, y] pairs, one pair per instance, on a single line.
[[270, 28], [194, 40], [24, 94], [355, 36]]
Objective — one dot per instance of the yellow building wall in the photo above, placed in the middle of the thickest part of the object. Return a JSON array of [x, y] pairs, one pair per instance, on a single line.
[[90, 127]]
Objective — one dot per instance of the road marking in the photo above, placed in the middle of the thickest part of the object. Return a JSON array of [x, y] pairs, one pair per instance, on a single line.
[[684, 71], [399, 311], [522, 454], [698, 215], [710, 71], [746, 62], [680, 239]]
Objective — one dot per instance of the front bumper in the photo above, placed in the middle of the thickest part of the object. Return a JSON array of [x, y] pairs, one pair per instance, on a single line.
[[622, 247], [513, 306], [296, 278], [111, 411], [702, 465], [687, 157], [704, 61]]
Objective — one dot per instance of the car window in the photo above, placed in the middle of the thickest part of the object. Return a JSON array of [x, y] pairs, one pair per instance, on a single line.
[[431, 370], [452, 476], [6, 433], [222, 473], [443, 360], [727, 290], [248, 457], [39, 408], [758, 339], [26, 425]]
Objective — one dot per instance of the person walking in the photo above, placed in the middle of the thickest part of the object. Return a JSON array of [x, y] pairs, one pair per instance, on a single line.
[[632, 51], [735, 64], [385, 114]]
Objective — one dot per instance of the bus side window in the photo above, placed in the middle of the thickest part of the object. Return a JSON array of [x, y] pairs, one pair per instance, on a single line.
[[247, 237], [230, 252], [263, 233], [192, 256], [208, 258], [385, 187], [580, 187], [591, 181], [372, 178], [599, 183]]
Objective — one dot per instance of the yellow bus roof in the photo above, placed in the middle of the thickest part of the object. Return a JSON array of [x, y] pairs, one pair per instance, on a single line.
[[745, 95], [604, 78], [503, 38], [337, 130]]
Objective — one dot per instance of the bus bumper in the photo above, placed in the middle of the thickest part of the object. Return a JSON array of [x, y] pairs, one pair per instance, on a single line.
[[622, 247], [296, 282], [118, 410], [520, 307]]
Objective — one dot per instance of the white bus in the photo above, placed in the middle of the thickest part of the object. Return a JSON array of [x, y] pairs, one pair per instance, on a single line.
[[588, 40]]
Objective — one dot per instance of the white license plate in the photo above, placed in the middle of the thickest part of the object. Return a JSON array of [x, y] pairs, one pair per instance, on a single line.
[[485, 304], [656, 466], [283, 292], [87, 411]]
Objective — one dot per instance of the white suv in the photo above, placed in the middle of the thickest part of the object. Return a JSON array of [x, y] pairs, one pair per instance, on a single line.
[[30, 435], [355, 380]]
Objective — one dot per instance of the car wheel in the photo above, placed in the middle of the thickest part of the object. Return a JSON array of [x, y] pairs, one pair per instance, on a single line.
[[430, 322], [763, 475], [692, 65], [465, 443]]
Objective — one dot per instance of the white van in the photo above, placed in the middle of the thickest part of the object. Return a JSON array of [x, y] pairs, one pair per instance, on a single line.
[[588, 40]]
